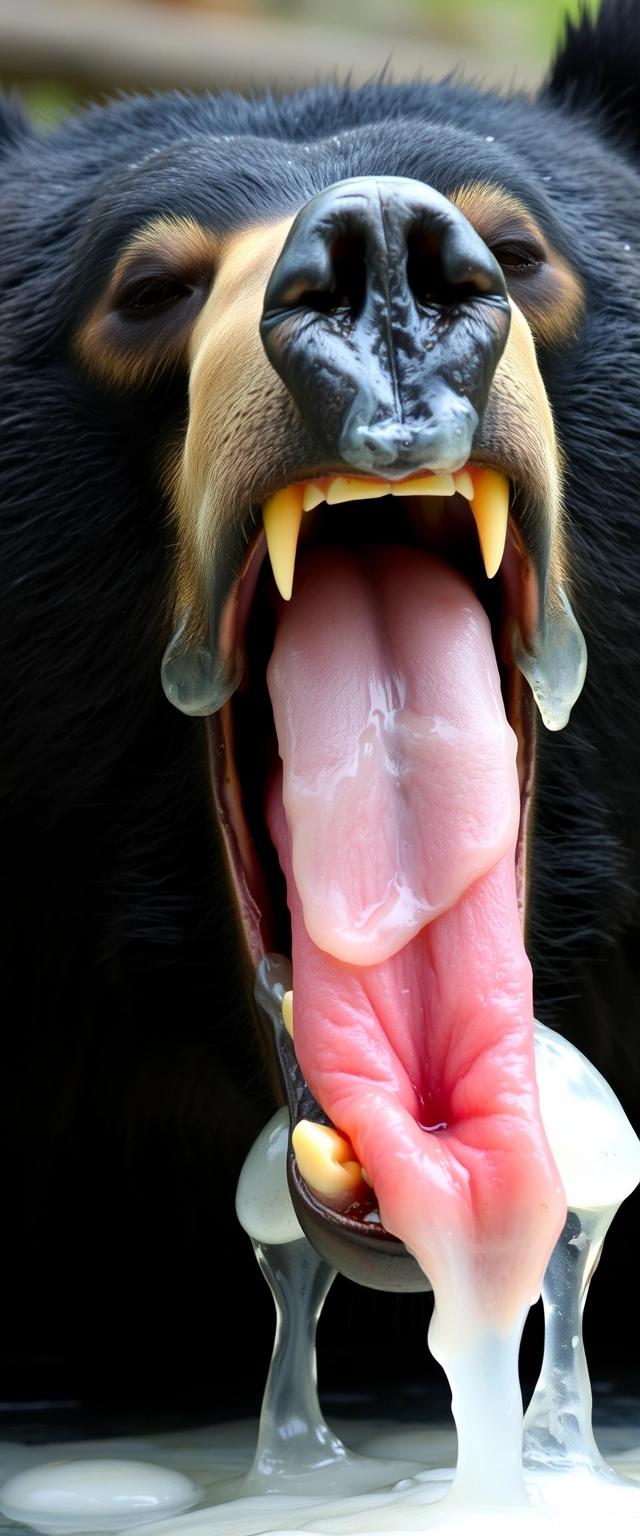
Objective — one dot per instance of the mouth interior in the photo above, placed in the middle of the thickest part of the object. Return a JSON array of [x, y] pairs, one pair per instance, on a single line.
[[376, 758], [440, 526]]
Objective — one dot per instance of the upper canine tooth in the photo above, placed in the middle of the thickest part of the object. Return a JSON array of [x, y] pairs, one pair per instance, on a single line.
[[425, 485], [282, 515], [464, 484], [490, 507], [342, 489], [325, 1159], [311, 497]]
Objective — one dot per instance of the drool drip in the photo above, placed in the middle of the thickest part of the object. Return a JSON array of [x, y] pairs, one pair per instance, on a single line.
[[194, 676], [557, 669]]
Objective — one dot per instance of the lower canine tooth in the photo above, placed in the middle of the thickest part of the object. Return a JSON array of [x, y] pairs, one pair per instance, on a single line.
[[325, 1159], [287, 1012], [282, 515], [490, 507]]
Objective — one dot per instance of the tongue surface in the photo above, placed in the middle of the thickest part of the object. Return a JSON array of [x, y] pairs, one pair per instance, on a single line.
[[395, 824], [400, 781]]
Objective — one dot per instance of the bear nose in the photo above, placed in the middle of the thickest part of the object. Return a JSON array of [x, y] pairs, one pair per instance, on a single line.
[[386, 316]]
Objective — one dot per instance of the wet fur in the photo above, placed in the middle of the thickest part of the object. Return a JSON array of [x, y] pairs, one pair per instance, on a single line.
[[131, 1088]]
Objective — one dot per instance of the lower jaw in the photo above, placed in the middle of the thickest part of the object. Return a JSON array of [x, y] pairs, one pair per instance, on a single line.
[[350, 1241], [354, 1241]]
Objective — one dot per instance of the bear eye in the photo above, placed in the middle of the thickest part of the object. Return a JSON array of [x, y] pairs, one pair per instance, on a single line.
[[142, 324], [518, 255], [145, 296]]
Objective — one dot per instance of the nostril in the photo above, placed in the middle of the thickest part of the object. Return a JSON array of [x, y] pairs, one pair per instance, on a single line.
[[426, 275], [344, 294], [385, 316]]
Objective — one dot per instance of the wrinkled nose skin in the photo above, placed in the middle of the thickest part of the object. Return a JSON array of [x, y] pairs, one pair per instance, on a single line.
[[386, 316]]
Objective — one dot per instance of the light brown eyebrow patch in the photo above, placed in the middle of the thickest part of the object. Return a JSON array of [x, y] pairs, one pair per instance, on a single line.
[[548, 291], [143, 321], [128, 339]]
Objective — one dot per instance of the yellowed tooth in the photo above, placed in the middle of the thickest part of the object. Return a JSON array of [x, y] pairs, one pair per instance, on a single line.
[[325, 1159], [425, 485], [464, 484], [311, 497], [287, 1012], [282, 515], [490, 507], [342, 489]]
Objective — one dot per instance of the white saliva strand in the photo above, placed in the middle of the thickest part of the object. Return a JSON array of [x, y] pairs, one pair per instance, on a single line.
[[597, 1154]]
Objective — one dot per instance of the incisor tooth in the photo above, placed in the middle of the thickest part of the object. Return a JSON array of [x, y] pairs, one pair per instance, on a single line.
[[287, 1012], [282, 515], [464, 484], [342, 489], [425, 485], [490, 507], [325, 1159], [311, 497]]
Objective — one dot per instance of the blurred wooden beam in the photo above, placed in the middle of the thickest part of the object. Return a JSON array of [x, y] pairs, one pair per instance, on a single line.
[[102, 45]]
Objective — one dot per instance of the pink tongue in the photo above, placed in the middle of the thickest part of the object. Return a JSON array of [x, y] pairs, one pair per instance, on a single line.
[[400, 782], [395, 827]]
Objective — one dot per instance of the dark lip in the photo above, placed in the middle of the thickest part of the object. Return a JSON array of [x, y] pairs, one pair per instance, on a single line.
[[364, 1252]]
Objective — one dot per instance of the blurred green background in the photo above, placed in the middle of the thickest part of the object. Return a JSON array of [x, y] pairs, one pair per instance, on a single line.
[[59, 53]]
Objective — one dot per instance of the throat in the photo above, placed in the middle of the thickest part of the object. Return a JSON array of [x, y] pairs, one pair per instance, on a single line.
[[395, 820]]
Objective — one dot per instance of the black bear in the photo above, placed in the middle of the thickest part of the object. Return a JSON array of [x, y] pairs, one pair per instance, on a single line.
[[220, 317]]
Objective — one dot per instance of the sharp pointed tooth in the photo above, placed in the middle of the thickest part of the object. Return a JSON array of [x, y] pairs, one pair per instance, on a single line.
[[311, 497], [464, 484], [425, 485], [287, 1012], [282, 515], [325, 1159], [343, 489], [490, 507]]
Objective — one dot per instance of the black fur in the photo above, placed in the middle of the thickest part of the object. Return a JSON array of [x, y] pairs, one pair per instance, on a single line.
[[131, 1085], [598, 70]]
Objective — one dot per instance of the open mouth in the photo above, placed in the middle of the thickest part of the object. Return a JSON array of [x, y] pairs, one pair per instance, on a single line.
[[370, 690], [375, 620]]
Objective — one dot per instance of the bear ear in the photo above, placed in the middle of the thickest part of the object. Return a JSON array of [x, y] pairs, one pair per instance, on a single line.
[[14, 128], [598, 66]]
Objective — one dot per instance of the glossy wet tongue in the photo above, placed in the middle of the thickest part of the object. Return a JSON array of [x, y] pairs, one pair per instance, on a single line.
[[395, 825], [399, 782]]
